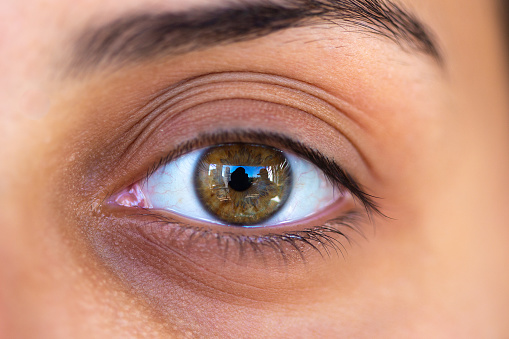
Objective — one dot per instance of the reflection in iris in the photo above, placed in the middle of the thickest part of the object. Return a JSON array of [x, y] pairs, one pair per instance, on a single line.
[[243, 184]]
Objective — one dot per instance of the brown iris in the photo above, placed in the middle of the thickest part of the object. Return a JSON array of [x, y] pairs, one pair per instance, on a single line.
[[243, 184]]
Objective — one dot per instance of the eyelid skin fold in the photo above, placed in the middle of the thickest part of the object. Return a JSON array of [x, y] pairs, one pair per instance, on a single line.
[[194, 106]]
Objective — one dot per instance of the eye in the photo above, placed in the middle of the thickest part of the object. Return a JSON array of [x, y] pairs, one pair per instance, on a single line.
[[237, 184]]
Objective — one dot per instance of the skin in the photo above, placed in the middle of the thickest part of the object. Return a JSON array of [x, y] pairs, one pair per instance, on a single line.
[[431, 141]]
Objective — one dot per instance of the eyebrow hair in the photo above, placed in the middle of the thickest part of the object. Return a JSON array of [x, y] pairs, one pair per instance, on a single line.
[[137, 37]]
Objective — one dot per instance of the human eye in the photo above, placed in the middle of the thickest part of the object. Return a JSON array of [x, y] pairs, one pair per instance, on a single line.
[[246, 185], [252, 179], [173, 258]]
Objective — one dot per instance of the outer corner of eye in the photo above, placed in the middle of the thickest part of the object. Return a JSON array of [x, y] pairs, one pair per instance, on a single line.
[[236, 184]]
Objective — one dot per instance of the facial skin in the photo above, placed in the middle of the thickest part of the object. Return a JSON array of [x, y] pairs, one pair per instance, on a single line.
[[429, 139]]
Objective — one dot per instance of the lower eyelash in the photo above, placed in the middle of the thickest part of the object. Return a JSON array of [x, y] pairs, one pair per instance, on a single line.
[[327, 239]]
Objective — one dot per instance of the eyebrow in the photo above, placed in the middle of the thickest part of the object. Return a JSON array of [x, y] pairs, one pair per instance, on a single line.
[[138, 37]]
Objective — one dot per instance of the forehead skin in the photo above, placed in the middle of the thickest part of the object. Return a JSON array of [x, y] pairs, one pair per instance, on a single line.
[[449, 240]]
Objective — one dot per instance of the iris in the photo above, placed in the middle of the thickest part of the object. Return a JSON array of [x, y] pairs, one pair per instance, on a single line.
[[243, 184]]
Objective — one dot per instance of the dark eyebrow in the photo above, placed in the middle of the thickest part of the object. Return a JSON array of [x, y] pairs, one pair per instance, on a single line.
[[138, 37]]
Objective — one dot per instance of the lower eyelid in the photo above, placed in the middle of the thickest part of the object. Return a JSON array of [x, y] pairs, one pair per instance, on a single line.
[[338, 225], [279, 248]]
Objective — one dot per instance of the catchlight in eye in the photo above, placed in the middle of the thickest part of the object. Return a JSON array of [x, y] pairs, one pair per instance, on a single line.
[[243, 184]]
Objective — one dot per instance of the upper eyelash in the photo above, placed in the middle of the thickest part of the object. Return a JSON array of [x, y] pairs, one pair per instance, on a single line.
[[340, 178]]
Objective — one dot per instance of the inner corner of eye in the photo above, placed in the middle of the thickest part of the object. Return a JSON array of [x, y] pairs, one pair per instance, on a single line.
[[132, 196], [234, 184]]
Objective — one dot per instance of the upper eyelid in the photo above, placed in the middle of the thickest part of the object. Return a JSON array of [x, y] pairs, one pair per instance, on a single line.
[[312, 92], [331, 108]]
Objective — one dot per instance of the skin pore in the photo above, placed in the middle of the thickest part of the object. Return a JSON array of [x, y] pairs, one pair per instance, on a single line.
[[423, 130]]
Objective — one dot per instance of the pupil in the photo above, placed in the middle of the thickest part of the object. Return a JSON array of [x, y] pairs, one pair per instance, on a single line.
[[240, 180], [243, 184]]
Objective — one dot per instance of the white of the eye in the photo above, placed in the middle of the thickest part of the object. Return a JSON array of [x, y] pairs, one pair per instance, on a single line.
[[171, 188], [311, 192]]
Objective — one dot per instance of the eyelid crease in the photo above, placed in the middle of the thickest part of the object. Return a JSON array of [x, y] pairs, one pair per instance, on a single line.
[[182, 96], [332, 170], [282, 82]]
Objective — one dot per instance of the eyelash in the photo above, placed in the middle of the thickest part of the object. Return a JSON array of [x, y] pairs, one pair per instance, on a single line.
[[324, 238]]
